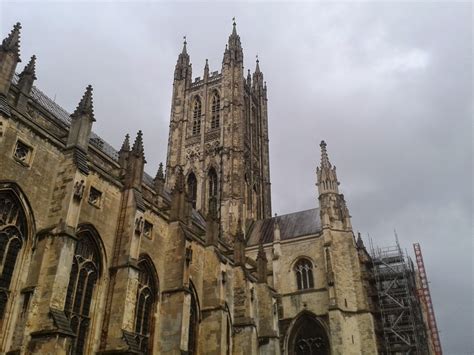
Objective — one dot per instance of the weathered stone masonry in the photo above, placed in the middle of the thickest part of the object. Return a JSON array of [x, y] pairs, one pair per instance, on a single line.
[[97, 257]]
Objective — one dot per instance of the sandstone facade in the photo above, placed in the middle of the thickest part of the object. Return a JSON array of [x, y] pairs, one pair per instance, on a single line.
[[98, 257]]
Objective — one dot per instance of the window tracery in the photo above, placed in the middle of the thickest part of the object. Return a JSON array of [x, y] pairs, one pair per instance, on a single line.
[[82, 281], [197, 116], [13, 232], [215, 111], [146, 299], [308, 337], [192, 188], [304, 274]]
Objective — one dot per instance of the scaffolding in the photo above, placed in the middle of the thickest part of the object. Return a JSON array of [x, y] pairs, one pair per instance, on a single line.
[[400, 310]]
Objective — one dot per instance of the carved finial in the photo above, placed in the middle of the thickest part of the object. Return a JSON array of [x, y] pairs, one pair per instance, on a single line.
[[257, 67], [159, 174], [12, 42], [324, 156], [126, 144], [85, 106], [137, 148]]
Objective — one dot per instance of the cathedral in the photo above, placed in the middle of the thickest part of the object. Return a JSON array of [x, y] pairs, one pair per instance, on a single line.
[[98, 257]]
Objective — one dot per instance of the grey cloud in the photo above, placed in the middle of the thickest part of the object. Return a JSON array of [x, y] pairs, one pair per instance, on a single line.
[[387, 85]]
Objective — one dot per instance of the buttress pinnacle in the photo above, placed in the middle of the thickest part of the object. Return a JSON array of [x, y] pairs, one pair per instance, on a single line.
[[30, 68], [126, 144], [138, 145], [12, 42], [85, 106]]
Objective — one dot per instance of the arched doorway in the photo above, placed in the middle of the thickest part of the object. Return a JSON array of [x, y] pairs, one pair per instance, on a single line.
[[308, 337]]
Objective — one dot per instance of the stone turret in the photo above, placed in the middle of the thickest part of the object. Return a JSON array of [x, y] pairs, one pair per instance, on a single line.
[[333, 208]]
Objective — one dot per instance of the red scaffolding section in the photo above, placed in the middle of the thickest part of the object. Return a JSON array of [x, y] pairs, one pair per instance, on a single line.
[[425, 297]]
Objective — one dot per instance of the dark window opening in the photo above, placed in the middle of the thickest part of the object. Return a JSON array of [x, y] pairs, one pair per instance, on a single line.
[[197, 116], [192, 189], [304, 274]]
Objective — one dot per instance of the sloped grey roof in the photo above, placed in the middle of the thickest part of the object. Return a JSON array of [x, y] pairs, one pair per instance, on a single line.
[[292, 225], [64, 117]]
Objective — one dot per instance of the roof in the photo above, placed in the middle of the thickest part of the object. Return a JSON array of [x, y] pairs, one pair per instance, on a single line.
[[64, 117], [292, 225]]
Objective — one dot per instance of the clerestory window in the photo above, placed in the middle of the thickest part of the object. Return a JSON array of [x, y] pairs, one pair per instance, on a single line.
[[304, 274]]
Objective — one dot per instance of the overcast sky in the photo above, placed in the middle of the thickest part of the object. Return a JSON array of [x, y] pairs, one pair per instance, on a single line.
[[388, 86]]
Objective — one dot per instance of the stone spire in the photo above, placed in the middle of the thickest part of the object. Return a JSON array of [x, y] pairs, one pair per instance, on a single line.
[[258, 78], [233, 52], [183, 66], [124, 152], [206, 70], [249, 79], [326, 174], [85, 106], [12, 42], [360, 242]]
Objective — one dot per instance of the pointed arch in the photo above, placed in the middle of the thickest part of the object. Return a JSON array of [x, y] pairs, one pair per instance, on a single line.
[[87, 266], [191, 183], [304, 273], [194, 319], [147, 299], [197, 110], [16, 229], [307, 335], [215, 109]]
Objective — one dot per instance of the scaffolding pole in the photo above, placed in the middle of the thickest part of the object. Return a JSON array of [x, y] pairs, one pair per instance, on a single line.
[[425, 297], [400, 311]]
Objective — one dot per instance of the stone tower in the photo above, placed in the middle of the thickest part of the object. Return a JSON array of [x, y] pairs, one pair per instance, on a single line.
[[219, 139]]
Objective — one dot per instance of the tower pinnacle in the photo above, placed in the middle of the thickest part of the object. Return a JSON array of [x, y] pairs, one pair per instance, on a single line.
[[326, 174]]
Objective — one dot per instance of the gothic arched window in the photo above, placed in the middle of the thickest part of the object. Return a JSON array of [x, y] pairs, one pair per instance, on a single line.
[[13, 234], [146, 300], [304, 274], [308, 337], [82, 280], [197, 116], [215, 110], [192, 188], [193, 326]]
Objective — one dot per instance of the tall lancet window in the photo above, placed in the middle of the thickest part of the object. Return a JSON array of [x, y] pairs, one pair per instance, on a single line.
[[13, 234], [212, 177], [197, 116], [82, 281], [215, 110], [146, 300], [304, 274], [192, 189]]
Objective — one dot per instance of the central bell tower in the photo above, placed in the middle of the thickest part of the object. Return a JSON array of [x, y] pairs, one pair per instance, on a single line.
[[219, 139]]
